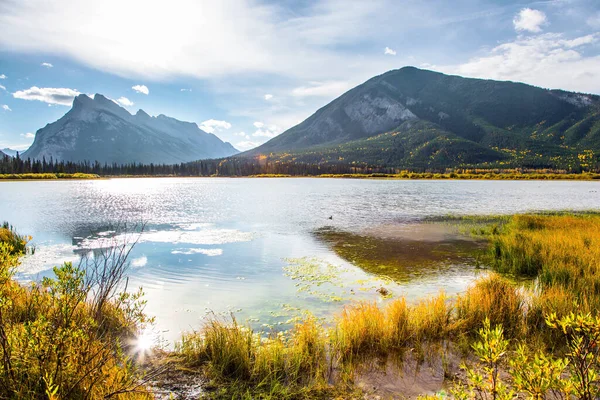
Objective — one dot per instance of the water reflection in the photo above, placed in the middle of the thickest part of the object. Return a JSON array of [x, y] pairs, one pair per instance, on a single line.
[[227, 245]]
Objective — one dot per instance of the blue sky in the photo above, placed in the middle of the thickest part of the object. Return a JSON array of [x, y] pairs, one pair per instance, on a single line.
[[248, 70]]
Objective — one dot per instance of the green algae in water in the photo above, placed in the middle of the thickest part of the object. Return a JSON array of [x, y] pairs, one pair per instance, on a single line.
[[331, 283], [317, 278]]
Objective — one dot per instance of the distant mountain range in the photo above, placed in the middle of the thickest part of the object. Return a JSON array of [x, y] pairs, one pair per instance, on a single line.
[[418, 118], [100, 130], [407, 118], [8, 152]]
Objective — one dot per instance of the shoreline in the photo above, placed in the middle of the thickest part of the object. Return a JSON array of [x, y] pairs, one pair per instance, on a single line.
[[376, 349], [414, 176]]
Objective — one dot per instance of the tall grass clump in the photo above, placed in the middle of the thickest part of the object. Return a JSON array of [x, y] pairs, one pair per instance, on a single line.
[[57, 343], [494, 298], [248, 364], [360, 328], [364, 328], [430, 318]]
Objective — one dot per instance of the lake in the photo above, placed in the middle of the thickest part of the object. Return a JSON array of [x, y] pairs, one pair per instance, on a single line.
[[257, 248]]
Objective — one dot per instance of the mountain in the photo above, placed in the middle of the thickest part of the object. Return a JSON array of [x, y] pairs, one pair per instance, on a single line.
[[9, 152], [98, 129], [418, 118]]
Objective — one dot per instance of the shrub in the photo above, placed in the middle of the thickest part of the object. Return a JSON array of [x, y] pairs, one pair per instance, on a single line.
[[54, 343]]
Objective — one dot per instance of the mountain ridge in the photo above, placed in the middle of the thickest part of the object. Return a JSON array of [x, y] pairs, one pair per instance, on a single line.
[[501, 116], [98, 129]]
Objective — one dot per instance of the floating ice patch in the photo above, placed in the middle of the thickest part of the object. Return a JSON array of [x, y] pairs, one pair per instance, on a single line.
[[139, 262], [195, 226], [204, 237], [46, 257], [208, 252]]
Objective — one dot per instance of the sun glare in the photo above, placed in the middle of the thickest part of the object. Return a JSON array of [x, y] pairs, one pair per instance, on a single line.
[[144, 342]]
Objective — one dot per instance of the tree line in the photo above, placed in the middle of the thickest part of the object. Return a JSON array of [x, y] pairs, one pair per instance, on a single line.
[[218, 167], [237, 166]]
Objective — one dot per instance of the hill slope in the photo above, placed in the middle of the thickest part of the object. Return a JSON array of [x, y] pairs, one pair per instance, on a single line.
[[418, 118], [100, 130]]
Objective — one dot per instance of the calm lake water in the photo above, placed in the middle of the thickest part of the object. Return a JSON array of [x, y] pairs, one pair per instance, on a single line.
[[243, 245]]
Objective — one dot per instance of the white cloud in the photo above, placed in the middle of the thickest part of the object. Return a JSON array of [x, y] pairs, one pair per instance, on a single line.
[[268, 96], [264, 131], [324, 89], [185, 90], [389, 51], [2, 76], [27, 135], [3, 87], [246, 145], [253, 37], [124, 101], [6, 107], [47, 65], [213, 125], [63, 96], [546, 60], [141, 89], [529, 20]]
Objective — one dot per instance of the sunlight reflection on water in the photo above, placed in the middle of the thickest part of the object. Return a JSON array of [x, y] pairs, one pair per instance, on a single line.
[[221, 245]]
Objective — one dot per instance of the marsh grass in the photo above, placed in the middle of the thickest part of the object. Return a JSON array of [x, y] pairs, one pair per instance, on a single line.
[[494, 298], [247, 363], [562, 251], [558, 252]]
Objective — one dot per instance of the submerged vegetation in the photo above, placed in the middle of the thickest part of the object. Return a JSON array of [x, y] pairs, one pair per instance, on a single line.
[[420, 251], [65, 338]]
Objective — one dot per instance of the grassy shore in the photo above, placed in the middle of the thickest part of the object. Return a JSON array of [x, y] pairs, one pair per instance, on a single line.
[[47, 176], [562, 253], [482, 175], [406, 175], [542, 335]]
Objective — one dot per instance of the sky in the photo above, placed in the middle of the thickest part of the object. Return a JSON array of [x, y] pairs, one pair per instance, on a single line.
[[248, 70]]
